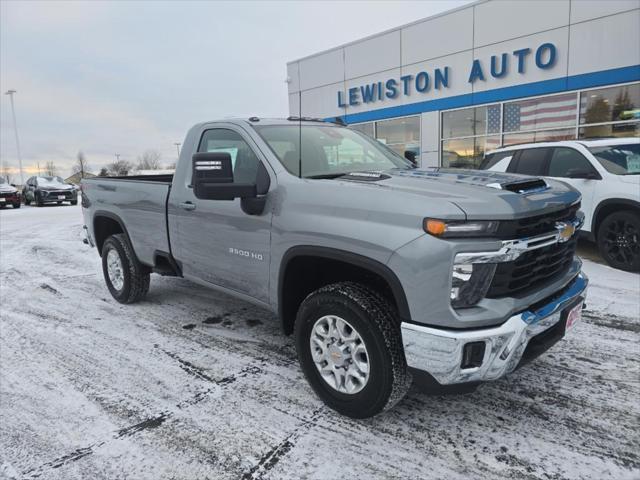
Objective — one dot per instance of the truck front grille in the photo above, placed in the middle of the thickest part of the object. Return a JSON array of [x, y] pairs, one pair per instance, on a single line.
[[532, 226], [533, 269]]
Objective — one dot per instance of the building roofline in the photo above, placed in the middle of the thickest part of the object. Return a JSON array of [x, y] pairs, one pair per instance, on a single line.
[[390, 30]]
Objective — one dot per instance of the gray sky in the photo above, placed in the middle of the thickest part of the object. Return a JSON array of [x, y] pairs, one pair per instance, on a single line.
[[124, 77]]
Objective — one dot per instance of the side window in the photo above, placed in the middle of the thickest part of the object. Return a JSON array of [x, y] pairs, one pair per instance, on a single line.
[[245, 162], [492, 159], [565, 162], [530, 162]]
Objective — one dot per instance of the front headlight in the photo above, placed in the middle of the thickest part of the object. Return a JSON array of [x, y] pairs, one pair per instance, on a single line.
[[460, 229], [470, 282]]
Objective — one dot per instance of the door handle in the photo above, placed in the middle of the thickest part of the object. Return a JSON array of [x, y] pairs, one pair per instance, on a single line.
[[188, 206]]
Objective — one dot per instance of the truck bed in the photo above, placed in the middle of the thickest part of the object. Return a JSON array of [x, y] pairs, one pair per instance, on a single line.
[[139, 203]]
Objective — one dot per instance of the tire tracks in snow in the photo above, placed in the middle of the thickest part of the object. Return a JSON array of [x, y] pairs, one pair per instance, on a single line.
[[278, 451], [151, 422]]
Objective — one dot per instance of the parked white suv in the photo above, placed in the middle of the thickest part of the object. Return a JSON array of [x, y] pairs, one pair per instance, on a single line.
[[605, 171]]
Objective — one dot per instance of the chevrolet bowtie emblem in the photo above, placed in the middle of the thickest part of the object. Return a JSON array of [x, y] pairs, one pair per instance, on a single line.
[[565, 231]]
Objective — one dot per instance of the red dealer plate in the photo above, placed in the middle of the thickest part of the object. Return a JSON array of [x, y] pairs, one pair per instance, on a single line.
[[574, 316]]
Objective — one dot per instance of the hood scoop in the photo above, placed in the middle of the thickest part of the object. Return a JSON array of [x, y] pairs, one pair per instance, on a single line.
[[522, 186], [365, 176]]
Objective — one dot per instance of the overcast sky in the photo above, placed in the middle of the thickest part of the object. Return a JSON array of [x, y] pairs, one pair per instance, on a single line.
[[124, 77]]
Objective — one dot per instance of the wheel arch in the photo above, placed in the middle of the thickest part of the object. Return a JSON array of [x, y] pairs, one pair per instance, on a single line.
[[330, 265], [106, 224], [608, 206]]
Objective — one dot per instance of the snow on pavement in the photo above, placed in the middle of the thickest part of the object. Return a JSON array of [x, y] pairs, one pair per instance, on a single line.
[[193, 384]]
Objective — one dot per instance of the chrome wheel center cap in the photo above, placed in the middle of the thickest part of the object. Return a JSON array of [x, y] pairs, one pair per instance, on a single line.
[[339, 354]]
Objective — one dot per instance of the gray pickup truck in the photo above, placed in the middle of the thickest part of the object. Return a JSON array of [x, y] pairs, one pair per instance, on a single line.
[[383, 272]]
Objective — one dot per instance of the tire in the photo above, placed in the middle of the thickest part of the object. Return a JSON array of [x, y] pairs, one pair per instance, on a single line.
[[26, 200], [134, 276], [74, 202], [619, 240], [16, 205], [3, 205], [375, 321], [39, 201]]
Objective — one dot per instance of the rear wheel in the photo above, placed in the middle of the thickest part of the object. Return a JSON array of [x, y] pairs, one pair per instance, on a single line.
[[126, 278], [619, 240], [350, 349]]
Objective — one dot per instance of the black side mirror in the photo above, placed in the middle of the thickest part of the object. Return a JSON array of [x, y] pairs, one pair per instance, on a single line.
[[411, 156], [583, 174], [213, 178]]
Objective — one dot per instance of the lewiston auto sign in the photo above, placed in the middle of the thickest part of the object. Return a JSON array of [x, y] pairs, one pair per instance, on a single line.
[[499, 66]]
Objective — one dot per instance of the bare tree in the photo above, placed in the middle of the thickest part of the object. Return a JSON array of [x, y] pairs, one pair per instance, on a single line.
[[50, 169], [81, 165], [120, 167], [103, 172], [149, 160], [171, 166]]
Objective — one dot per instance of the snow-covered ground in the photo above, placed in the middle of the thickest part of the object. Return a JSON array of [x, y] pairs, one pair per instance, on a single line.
[[192, 384]]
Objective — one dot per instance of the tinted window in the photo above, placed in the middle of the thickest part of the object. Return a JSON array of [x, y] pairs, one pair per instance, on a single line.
[[530, 162], [245, 162], [565, 161], [619, 159]]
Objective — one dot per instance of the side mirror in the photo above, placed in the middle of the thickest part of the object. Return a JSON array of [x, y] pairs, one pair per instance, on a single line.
[[583, 174], [212, 178], [411, 156]]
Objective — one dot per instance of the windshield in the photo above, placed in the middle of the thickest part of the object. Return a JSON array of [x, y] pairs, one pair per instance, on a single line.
[[328, 151], [50, 181], [619, 159]]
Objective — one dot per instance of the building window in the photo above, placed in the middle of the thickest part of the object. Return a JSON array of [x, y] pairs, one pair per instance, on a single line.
[[541, 113], [400, 134], [366, 128], [541, 136], [468, 133], [610, 112]]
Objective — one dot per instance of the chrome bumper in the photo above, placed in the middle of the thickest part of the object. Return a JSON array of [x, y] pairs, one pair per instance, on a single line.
[[439, 352]]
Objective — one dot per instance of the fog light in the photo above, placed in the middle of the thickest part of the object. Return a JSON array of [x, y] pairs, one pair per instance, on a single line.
[[473, 354]]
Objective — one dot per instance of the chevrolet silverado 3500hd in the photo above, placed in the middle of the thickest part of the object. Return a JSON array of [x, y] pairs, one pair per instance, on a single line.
[[382, 271]]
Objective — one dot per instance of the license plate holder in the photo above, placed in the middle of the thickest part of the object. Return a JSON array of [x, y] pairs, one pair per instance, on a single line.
[[3, 200], [61, 197], [572, 315]]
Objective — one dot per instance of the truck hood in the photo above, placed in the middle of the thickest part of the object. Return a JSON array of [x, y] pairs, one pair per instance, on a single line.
[[480, 194]]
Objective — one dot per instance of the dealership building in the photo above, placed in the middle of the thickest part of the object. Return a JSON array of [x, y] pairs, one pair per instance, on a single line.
[[455, 85]]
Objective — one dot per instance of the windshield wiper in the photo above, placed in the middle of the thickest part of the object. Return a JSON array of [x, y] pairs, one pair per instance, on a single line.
[[326, 175]]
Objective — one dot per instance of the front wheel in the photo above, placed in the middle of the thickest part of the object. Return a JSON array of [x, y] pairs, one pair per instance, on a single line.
[[619, 240], [16, 205], [126, 278], [350, 349], [39, 201]]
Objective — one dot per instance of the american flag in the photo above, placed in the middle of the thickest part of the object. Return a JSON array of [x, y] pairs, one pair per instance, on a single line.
[[493, 127], [547, 112]]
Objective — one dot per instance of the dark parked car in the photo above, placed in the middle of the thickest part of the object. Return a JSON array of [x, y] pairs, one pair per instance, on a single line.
[[41, 190], [9, 195]]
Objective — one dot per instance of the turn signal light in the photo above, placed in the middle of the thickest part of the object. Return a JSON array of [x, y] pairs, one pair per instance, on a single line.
[[434, 227]]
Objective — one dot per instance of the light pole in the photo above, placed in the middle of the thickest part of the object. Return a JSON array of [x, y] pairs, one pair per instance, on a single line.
[[117, 157], [177, 144], [15, 129]]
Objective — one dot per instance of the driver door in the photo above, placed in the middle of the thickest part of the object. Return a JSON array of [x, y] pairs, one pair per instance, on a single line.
[[216, 240]]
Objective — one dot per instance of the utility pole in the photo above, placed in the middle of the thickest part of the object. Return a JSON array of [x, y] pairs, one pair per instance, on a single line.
[[15, 129], [117, 157], [177, 144]]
